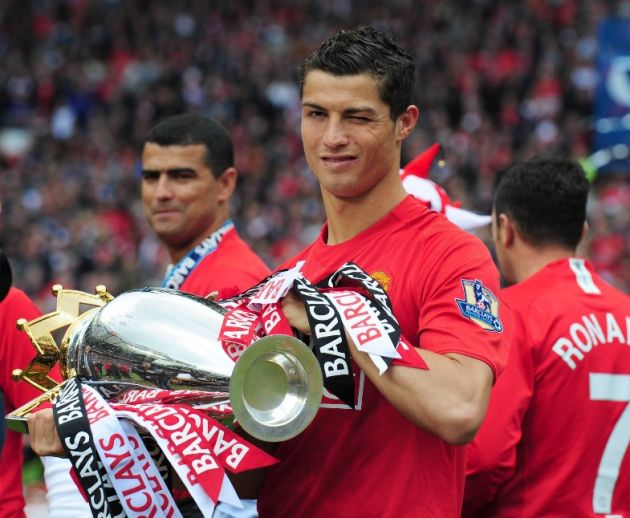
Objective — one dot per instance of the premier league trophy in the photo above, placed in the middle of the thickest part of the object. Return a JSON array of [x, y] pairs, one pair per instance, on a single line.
[[157, 338]]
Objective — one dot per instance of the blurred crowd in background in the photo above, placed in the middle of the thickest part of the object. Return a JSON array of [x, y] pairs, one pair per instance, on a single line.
[[82, 81]]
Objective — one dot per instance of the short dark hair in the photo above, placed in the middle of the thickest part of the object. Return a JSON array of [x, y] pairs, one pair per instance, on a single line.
[[546, 197], [190, 129], [362, 50]]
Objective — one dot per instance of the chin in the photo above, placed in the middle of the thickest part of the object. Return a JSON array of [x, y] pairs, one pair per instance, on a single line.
[[167, 235], [343, 189]]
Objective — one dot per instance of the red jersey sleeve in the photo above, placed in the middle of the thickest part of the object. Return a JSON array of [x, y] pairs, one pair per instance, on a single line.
[[460, 307]]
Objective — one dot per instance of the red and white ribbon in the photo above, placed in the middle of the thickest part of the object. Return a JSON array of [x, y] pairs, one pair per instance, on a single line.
[[130, 481], [363, 326], [179, 463], [147, 464]]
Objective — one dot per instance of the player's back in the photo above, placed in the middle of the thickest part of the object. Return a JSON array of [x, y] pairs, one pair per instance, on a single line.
[[573, 335]]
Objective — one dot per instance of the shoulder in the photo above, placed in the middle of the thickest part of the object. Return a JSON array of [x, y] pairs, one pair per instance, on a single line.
[[18, 303], [446, 237], [436, 254], [444, 249], [530, 295], [551, 286], [233, 267], [244, 254], [240, 271]]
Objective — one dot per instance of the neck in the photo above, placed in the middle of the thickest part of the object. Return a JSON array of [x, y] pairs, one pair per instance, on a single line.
[[177, 253], [348, 217], [529, 260]]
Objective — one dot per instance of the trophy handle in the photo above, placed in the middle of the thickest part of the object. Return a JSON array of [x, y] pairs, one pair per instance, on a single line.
[[276, 388], [17, 420]]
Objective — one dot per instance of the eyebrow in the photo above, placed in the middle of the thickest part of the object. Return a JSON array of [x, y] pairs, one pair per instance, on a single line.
[[348, 111], [170, 171]]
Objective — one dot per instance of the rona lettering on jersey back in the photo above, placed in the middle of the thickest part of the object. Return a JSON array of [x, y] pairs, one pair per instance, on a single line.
[[589, 332]]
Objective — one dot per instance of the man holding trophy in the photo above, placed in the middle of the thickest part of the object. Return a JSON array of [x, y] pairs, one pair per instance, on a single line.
[[397, 452], [407, 360]]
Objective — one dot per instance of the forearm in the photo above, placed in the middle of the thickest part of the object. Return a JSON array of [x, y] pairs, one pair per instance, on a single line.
[[449, 399]]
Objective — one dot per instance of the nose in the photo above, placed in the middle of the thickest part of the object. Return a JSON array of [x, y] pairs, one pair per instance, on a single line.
[[335, 135], [163, 190]]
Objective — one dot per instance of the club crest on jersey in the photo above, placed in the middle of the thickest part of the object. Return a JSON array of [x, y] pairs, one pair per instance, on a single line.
[[382, 278], [480, 305]]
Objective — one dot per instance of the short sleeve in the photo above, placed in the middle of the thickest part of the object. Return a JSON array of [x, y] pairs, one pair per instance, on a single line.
[[461, 310]]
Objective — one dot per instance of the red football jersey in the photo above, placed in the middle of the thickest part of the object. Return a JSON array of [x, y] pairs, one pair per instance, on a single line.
[[372, 461], [16, 352], [230, 269], [555, 439]]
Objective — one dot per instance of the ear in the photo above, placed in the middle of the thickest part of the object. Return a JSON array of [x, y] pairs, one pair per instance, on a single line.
[[407, 121], [226, 183], [585, 229], [506, 231]]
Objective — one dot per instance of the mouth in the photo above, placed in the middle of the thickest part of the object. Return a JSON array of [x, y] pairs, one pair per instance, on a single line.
[[165, 212], [338, 161]]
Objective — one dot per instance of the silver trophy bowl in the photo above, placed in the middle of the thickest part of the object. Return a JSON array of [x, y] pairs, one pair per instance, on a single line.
[[166, 339]]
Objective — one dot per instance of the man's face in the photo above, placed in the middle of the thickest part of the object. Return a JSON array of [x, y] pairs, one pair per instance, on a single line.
[[350, 142], [179, 193]]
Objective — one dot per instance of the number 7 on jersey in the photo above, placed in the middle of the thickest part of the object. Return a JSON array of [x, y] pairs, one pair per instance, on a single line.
[[611, 387]]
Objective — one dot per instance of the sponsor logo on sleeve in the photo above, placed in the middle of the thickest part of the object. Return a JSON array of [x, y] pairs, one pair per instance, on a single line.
[[480, 305]]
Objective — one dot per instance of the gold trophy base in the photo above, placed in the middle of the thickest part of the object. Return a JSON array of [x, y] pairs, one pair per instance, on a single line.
[[17, 420]]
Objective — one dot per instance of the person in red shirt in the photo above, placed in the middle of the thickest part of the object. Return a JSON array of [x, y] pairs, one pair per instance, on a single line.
[[399, 452], [188, 178], [555, 439], [16, 352]]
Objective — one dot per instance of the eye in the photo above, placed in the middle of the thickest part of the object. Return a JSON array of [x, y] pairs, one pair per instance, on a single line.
[[360, 119], [150, 176], [315, 114], [182, 174]]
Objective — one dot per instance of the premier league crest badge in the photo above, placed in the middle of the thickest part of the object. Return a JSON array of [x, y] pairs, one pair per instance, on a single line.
[[480, 305]]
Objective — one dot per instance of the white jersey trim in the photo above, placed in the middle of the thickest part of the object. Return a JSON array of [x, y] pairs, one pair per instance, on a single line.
[[583, 276]]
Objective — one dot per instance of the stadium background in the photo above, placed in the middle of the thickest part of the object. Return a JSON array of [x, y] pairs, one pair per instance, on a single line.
[[82, 81]]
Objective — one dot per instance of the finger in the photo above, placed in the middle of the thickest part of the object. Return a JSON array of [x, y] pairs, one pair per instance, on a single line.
[[43, 434], [212, 295]]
